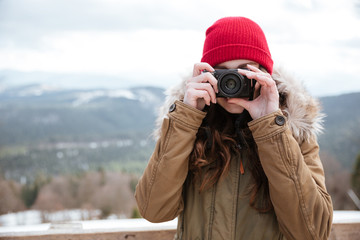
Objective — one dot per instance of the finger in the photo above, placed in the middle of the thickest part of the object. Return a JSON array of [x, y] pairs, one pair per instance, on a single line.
[[253, 68], [204, 86], [261, 77], [205, 96], [252, 74], [196, 94], [249, 74], [206, 77], [200, 67], [265, 81], [269, 86], [257, 89], [256, 70]]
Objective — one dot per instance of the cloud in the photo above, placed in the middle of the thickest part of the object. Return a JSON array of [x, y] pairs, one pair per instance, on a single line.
[[108, 52], [158, 41], [31, 19]]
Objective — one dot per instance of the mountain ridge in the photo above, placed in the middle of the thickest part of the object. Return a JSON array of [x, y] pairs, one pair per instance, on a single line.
[[65, 129]]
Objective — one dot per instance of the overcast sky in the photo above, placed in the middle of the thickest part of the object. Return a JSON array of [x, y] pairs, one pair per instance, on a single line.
[[111, 44]]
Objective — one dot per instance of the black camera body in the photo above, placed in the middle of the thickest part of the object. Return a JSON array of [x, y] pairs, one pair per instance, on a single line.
[[232, 84]]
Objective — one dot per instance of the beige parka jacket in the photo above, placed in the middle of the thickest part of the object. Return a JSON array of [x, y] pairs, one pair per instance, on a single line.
[[288, 152]]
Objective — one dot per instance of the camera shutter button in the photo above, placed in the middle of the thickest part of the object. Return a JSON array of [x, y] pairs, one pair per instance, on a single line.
[[172, 107], [280, 120]]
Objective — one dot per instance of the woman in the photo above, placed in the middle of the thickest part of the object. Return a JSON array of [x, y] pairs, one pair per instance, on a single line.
[[238, 168]]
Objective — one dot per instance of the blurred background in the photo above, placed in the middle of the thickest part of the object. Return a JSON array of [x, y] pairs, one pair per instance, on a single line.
[[81, 82]]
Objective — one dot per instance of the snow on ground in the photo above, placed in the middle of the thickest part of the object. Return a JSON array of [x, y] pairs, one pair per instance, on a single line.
[[33, 217], [30, 223], [346, 217]]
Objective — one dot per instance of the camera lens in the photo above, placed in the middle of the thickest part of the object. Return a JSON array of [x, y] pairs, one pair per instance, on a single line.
[[230, 84]]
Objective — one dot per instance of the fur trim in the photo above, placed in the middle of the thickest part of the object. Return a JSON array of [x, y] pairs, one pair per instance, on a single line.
[[301, 110]]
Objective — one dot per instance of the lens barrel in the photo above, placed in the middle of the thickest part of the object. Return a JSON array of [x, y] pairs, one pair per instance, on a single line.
[[232, 84]]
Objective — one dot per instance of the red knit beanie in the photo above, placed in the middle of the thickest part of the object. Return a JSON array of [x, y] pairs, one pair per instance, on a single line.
[[233, 38]]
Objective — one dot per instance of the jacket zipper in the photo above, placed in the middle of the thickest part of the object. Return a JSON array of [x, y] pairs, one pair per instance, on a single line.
[[236, 196], [212, 209]]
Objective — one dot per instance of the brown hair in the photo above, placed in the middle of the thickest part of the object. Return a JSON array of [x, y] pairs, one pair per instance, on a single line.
[[220, 136]]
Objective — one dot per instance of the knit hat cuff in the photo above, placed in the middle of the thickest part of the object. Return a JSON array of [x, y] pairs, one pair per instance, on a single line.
[[238, 51]]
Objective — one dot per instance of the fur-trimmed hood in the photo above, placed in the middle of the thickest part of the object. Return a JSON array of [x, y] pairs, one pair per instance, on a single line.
[[302, 111]]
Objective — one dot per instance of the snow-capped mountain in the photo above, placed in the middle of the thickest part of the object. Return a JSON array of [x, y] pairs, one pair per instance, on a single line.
[[42, 112]]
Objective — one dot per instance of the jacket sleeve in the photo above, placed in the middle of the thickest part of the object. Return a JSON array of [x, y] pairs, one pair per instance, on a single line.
[[296, 179], [159, 191]]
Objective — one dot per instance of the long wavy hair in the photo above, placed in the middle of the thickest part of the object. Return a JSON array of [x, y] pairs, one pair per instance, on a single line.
[[220, 136]]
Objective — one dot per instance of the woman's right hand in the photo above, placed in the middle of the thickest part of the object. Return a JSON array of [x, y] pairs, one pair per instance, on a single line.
[[201, 88]]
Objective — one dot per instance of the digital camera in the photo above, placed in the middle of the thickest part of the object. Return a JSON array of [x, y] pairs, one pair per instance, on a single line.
[[232, 84]]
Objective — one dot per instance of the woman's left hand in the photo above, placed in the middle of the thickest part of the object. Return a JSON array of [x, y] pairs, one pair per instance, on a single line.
[[268, 100]]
